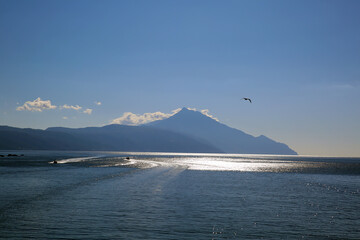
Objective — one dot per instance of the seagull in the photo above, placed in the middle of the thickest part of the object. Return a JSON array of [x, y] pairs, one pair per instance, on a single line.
[[247, 99]]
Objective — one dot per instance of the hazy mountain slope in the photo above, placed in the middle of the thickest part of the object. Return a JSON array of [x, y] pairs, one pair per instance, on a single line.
[[18, 138], [139, 138], [108, 138], [228, 139]]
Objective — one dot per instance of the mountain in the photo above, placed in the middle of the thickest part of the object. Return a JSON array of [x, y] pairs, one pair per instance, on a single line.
[[107, 138], [186, 131], [227, 139]]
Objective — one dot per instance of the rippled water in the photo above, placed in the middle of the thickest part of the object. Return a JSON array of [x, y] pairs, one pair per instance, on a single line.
[[91, 195]]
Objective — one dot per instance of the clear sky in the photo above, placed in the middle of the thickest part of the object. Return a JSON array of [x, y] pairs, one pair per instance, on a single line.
[[86, 63]]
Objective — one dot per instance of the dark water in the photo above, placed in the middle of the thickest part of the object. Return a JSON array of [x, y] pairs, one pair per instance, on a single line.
[[91, 195]]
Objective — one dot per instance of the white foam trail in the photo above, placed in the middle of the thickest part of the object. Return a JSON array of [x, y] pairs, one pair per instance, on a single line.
[[71, 160], [145, 163]]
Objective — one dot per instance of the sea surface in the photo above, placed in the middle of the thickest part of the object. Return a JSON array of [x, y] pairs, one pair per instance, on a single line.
[[118, 195]]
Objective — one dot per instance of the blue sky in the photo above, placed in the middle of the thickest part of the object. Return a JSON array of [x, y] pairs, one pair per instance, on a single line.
[[298, 60]]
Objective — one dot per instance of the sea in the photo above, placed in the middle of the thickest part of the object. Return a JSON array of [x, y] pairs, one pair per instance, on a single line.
[[139, 195]]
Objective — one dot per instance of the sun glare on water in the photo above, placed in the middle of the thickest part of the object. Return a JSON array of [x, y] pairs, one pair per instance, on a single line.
[[211, 163]]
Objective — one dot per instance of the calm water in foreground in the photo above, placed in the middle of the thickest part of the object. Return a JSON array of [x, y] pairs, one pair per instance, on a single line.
[[102, 195]]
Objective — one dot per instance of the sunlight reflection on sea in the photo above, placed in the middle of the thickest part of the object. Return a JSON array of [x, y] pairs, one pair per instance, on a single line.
[[102, 195]]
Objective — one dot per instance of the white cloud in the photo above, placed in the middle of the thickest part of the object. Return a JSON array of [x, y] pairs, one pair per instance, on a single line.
[[76, 107], [36, 106], [39, 105], [98, 103], [88, 111], [206, 113], [129, 118], [133, 119], [173, 112]]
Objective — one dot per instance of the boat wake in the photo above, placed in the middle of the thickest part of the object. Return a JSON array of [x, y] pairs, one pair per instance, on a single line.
[[74, 160]]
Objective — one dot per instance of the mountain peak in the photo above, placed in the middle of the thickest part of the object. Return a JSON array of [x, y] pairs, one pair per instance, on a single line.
[[186, 114], [201, 125], [185, 109]]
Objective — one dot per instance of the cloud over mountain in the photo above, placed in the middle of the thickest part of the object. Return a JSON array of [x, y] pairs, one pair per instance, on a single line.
[[133, 119], [206, 113], [129, 118], [37, 105]]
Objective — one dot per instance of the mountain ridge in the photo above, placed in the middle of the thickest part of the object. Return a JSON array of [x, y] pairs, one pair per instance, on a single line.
[[185, 131], [228, 139], [106, 138]]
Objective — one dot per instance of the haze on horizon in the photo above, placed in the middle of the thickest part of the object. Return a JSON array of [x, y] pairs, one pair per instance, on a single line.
[[89, 63]]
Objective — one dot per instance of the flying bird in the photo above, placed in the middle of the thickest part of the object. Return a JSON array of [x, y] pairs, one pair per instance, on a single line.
[[247, 99]]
